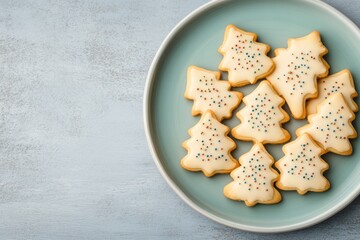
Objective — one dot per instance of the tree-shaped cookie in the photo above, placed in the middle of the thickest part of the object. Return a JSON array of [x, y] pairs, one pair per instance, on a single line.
[[341, 82], [210, 93], [262, 117], [302, 168], [244, 59], [297, 70], [209, 147], [331, 126], [254, 179]]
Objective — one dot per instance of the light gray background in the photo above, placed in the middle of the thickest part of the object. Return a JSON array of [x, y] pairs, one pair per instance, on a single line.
[[74, 162]]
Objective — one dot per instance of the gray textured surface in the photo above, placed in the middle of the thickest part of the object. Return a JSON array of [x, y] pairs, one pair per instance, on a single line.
[[74, 163]]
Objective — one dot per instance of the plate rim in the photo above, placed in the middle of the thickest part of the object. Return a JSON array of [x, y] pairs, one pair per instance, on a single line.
[[149, 135]]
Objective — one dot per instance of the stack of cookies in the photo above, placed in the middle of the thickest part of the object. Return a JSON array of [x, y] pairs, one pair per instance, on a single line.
[[297, 76]]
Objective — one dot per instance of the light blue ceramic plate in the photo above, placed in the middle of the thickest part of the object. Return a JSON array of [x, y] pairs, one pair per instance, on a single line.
[[194, 41]]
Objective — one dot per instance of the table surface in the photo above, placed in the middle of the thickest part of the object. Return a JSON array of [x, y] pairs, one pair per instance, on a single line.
[[74, 162]]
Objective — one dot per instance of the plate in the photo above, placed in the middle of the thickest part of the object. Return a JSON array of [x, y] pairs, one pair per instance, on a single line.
[[167, 114]]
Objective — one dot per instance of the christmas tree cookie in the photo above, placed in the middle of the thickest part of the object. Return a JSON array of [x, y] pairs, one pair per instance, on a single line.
[[254, 179], [210, 93], [244, 59], [209, 147], [297, 70], [331, 126], [262, 117], [341, 82], [302, 168]]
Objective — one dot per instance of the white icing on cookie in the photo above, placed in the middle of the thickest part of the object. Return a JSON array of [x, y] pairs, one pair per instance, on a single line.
[[245, 59], [331, 126], [341, 82], [210, 93], [209, 147], [297, 70], [254, 179], [302, 167], [262, 117]]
